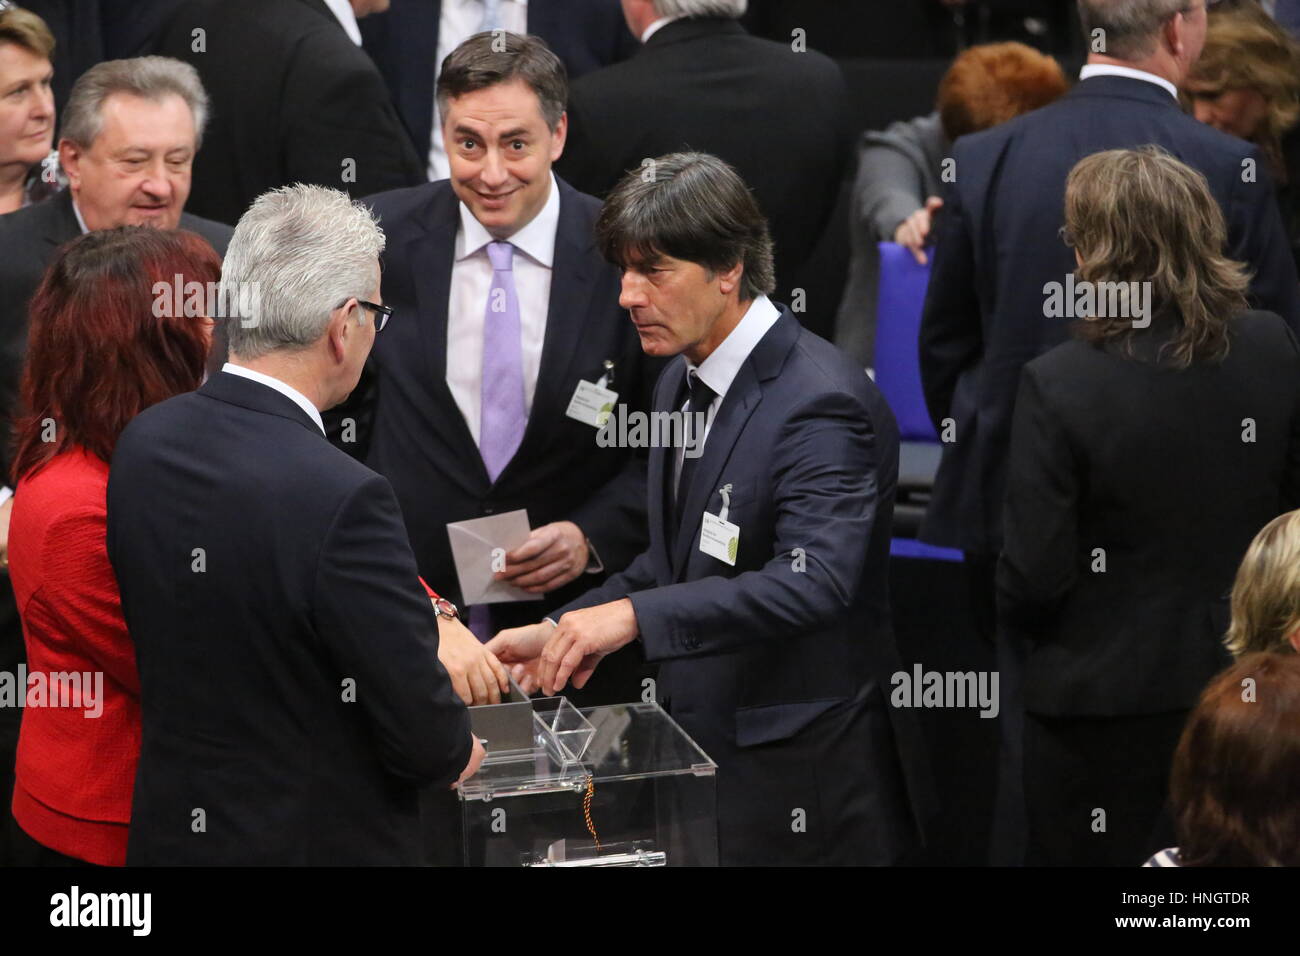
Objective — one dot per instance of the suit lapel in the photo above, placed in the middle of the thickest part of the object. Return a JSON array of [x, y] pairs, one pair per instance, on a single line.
[[567, 315], [765, 362], [658, 468], [431, 254], [736, 406]]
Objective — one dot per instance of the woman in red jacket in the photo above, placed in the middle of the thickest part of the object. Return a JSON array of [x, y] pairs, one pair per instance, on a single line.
[[107, 339]]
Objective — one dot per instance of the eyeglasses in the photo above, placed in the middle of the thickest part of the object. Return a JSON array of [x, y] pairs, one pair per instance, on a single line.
[[382, 313]]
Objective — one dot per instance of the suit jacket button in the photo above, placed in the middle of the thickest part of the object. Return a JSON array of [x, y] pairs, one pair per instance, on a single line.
[[487, 509]]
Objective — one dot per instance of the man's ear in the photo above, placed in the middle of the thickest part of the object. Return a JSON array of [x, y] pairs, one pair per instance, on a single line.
[[560, 136], [1294, 639], [340, 327], [1174, 29], [70, 160], [729, 281]]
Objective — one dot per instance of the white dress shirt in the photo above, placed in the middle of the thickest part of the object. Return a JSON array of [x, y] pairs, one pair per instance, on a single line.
[[655, 27], [458, 21], [1107, 69], [288, 391], [344, 13], [80, 222], [722, 366], [471, 280]]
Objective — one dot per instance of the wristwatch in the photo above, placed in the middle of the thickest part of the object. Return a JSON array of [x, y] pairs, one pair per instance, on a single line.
[[444, 608]]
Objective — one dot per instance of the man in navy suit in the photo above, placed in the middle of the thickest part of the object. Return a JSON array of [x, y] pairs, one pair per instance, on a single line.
[[763, 594], [510, 308], [410, 40], [999, 244], [998, 249], [292, 698]]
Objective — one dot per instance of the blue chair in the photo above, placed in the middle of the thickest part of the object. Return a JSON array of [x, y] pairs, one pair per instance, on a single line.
[[898, 375], [898, 329]]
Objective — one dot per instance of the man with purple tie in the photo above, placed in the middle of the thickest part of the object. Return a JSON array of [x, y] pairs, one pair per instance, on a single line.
[[508, 309]]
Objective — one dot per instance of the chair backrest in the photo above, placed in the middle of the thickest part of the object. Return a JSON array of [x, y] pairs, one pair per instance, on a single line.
[[898, 329]]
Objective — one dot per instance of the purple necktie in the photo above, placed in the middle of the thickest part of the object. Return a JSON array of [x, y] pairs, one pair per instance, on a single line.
[[502, 415]]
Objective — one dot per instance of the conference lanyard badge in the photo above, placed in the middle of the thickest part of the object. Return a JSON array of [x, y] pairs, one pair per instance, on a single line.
[[593, 402], [719, 538]]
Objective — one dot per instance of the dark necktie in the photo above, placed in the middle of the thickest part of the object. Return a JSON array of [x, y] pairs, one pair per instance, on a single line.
[[700, 397]]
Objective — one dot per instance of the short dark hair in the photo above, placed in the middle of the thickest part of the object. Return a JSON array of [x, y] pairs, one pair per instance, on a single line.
[[498, 56], [691, 206]]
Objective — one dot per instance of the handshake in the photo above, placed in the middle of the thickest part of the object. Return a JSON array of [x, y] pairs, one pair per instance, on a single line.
[[546, 656]]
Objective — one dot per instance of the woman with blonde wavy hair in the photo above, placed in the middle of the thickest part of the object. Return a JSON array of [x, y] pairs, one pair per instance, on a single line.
[[1145, 454], [1246, 82], [1266, 594]]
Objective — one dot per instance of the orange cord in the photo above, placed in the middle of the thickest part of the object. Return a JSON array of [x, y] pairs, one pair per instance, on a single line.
[[586, 810]]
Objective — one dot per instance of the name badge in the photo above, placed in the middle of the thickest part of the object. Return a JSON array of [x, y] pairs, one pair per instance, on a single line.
[[719, 538], [591, 404]]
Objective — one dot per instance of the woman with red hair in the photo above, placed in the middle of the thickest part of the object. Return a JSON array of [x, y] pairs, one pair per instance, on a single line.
[[103, 346]]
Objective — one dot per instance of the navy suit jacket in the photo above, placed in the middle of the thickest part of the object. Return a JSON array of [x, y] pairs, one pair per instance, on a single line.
[[409, 428], [289, 685], [584, 34], [998, 246], [776, 666]]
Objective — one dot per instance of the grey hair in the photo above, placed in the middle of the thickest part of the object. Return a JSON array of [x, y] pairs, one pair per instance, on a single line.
[[150, 77], [690, 206], [701, 8], [297, 254], [1129, 28]]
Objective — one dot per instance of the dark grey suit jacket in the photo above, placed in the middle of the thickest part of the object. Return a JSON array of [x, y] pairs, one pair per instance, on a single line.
[[898, 169]]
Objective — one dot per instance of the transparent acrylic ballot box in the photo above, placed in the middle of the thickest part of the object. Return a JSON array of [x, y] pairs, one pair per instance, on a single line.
[[620, 785]]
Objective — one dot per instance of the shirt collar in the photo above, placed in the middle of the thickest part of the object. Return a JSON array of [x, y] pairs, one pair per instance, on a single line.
[[1109, 69], [77, 212], [722, 366], [345, 15], [288, 391], [655, 27], [537, 239]]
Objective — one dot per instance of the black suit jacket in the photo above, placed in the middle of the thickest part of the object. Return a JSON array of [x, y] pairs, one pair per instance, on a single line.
[[776, 666], [290, 686], [294, 100], [999, 245], [1170, 473], [28, 240], [409, 429], [584, 34], [706, 84]]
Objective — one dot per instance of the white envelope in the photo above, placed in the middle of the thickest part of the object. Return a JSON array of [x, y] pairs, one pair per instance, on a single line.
[[472, 544]]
